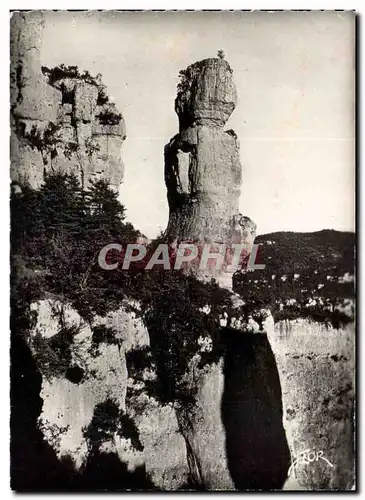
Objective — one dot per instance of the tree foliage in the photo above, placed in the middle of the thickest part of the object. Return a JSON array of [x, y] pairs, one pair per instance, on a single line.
[[306, 275], [57, 234], [62, 71]]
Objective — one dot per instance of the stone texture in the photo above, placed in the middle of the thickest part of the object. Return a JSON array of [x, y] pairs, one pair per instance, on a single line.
[[203, 173], [85, 101], [71, 103], [83, 132], [30, 95], [203, 178], [164, 446], [208, 93], [108, 168], [68, 407], [26, 163], [109, 130], [39, 101], [67, 133], [202, 427], [317, 365]]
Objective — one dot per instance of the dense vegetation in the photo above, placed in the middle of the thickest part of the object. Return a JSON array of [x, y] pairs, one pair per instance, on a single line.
[[109, 115], [306, 275], [107, 420], [57, 234], [62, 71]]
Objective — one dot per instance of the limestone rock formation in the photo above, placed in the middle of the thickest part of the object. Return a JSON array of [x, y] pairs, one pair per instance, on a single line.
[[203, 175], [207, 94], [202, 427], [308, 287], [91, 374], [230, 435], [203, 172], [316, 363], [61, 119]]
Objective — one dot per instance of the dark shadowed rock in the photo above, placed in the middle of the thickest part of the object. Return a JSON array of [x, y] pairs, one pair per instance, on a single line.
[[252, 411], [236, 420]]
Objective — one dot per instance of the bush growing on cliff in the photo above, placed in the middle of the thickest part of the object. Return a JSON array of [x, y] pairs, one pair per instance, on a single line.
[[54, 355], [184, 81], [109, 116], [107, 420], [44, 141], [176, 323], [62, 71], [58, 232], [307, 275]]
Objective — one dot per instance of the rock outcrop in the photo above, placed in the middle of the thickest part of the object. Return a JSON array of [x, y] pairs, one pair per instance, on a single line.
[[85, 371], [308, 285], [203, 175], [203, 172], [316, 363], [61, 119], [206, 95]]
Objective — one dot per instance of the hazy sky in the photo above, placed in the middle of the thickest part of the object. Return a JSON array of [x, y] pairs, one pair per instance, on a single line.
[[294, 73]]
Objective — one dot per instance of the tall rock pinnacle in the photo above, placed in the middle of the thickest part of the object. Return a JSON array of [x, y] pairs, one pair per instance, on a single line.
[[203, 172], [203, 175]]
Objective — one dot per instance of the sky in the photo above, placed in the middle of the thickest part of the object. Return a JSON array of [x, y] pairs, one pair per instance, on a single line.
[[295, 78]]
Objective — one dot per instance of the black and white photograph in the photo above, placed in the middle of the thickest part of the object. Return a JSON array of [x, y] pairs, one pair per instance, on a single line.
[[182, 251]]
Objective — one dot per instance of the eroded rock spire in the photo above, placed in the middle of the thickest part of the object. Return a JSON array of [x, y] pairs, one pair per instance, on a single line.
[[203, 172]]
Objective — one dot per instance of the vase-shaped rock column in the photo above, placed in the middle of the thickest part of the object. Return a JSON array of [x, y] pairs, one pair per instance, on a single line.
[[203, 172]]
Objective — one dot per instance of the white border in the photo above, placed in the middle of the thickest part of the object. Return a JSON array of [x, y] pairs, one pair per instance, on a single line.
[[4, 171], [187, 4]]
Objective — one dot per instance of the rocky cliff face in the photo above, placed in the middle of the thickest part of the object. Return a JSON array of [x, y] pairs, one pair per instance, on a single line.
[[316, 363], [61, 119], [308, 285], [203, 177], [93, 402], [91, 377]]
